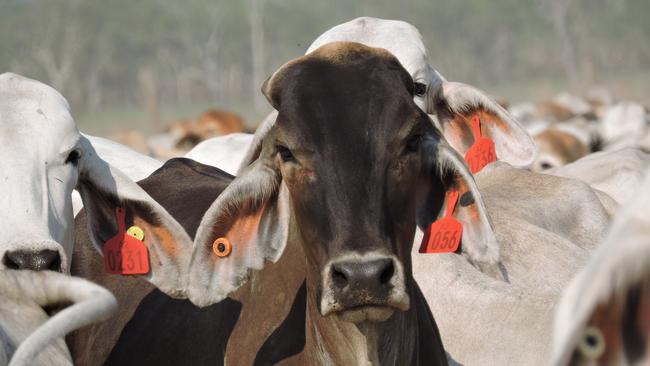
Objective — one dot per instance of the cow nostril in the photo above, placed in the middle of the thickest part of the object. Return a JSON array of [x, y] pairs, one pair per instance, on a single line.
[[339, 278], [387, 273], [33, 260]]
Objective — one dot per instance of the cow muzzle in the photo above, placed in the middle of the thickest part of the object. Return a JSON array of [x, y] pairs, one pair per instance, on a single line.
[[42, 256], [364, 288]]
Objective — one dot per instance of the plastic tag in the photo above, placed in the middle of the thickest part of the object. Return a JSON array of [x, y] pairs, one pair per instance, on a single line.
[[443, 236], [482, 152], [124, 253]]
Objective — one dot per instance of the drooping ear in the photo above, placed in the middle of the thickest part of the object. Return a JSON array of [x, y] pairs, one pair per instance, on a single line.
[[103, 190], [448, 171], [246, 225], [455, 106]]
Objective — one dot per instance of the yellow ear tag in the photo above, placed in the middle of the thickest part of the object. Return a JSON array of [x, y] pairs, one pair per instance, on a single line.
[[136, 232]]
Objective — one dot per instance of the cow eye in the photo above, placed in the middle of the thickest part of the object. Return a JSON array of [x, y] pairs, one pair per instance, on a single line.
[[413, 144], [285, 154], [73, 157], [592, 343], [420, 89]]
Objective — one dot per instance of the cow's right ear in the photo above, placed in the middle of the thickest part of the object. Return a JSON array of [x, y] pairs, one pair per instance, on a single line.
[[456, 104], [246, 225], [105, 190], [447, 171]]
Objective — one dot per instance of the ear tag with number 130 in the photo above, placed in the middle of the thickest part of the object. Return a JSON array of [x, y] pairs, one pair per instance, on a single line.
[[443, 236], [125, 253]]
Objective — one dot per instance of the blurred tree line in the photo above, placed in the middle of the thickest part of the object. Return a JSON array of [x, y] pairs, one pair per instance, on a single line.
[[152, 52]]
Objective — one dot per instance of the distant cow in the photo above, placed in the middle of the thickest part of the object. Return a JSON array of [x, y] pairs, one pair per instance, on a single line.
[[603, 318], [28, 336], [184, 134]]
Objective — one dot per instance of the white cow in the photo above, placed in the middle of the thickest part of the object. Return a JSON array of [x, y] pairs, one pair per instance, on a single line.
[[135, 165], [27, 335], [43, 158], [617, 173], [602, 318], [450, 104], [224, 152], [624, 125], [500, 312]]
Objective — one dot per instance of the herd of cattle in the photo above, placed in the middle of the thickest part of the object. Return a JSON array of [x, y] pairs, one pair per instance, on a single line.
[[309, 241]]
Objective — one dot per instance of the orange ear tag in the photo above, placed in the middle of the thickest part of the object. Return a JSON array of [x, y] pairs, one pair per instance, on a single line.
[[482, 152], [443, 236], [221, 247], [125, 253]]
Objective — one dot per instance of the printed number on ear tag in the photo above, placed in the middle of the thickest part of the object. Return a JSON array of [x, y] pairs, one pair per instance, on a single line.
[[125, 253], [443, 236], [482, 152]]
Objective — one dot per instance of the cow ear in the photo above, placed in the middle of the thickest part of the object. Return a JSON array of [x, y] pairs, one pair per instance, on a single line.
[[456, 104], [104, 190], [247, 225], [446, 172], [255, 148]]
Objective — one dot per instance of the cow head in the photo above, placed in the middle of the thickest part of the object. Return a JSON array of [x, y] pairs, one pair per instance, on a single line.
[[43, 158], [349, 168]]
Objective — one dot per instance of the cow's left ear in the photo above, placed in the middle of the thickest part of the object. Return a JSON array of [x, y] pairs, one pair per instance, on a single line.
[[456, 104], [106, 190], [447, 171]]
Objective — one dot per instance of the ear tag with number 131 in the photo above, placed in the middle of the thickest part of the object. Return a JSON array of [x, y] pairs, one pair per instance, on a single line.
[[443, 236], [125, 253]]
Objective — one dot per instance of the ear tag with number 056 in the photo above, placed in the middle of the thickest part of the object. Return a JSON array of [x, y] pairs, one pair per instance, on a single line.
[[482, 152], [443, 236], [125, 253]]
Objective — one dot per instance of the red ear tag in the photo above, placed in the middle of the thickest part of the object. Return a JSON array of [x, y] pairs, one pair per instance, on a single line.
[[482, 152], [124, 253], [443, 236]]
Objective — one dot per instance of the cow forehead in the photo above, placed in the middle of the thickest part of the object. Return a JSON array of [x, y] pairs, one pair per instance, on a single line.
[[400, 38], [33, 113], [331, 94]]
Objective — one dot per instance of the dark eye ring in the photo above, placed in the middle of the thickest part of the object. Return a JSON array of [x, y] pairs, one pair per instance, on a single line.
[[419, 89], [73, 157], [413, 144], [285, 154]]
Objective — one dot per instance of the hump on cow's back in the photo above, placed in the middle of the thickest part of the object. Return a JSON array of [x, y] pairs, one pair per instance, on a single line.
[[186, 189]]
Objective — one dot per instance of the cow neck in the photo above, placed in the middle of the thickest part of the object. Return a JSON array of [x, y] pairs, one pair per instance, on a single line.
[[332, 341]]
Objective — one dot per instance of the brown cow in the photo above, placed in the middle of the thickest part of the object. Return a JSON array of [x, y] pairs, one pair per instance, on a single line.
[[334, 194]]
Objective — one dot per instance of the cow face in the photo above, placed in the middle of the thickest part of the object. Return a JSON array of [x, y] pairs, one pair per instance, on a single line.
[[350, 166], [41, 149], [43, 158]]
